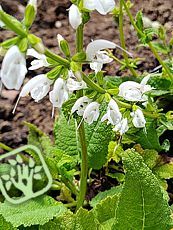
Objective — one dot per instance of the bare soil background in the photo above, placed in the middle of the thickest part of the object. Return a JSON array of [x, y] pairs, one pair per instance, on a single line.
[[52, 19]]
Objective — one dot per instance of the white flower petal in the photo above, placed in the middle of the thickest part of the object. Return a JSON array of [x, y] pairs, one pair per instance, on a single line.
[[13, 69], [91, 112], [98, 45], [104, 7], [122, 127], [138, 119], [75, 16], [80, 105], [59, 94], [89, 4]]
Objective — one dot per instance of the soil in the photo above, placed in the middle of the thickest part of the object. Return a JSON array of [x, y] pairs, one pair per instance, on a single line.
[[52, 19]]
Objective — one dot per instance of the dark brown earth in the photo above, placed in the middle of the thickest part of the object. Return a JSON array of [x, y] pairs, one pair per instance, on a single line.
[[52, 19]]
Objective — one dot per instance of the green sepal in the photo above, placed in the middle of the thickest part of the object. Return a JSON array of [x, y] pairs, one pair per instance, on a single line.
[[12, 23], [55, 73], [74, 66], [34, 39], [30, 14], [79, 57], [23, 45], [10, 42], [65, 47]]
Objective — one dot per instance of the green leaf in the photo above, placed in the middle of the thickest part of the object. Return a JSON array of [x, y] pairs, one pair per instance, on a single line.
[[161, 48], [31, 163], [164, 171], [142, 204], [63, 222], [98, 136], [104, 195], [12, 172], [37, 177], [150, 157], [4, 225], [66, 137], [139, 20], [114, 152], [5, 177], [36, 211], [148, 137], [12, 162]]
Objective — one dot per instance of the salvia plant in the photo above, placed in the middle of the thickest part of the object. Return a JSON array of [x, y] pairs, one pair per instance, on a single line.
[[107, 126]]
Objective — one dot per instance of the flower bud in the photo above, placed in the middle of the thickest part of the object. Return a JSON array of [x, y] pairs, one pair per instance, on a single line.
[[63, 45], [75, 16]]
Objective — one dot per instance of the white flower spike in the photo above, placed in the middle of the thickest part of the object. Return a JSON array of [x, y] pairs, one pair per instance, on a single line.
[[75, 16], [13, 69], [138, 119], [113, 115], [102, 6], [59, 94], [40, 62], [91, 113], [122, 127], [80, 105], [133, 91], [38, 87]]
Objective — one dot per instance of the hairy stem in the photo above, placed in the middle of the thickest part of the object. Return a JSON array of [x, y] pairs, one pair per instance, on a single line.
[[57, 58], [81, 130], [122, 39], [154, 51]]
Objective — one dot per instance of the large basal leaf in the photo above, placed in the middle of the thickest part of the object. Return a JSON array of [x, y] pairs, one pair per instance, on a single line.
[[36, 211], [82, 220], [148, 137], [66, 137], [141, 205]]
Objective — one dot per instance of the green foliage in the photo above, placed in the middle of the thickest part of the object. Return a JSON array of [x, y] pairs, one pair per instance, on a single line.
[[141, 204], [98, 136], [36, 211], [164, 171], [66, 137], [104, 195], [148, 137], [5, 225]]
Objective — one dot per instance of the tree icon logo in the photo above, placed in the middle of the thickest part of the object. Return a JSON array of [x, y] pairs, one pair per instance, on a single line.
[[23, 173]]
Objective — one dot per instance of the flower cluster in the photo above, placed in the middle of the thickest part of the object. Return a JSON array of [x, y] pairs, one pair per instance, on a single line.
[[61, 86]]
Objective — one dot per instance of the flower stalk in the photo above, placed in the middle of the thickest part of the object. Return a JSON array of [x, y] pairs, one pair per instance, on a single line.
[[122, 40], [81, 130]]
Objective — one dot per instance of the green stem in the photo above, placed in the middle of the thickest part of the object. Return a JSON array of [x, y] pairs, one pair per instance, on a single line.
[[81, 130], [5, 147], [84, 167], [79, 38], [160, 60], [149, 43], [122, 39], [92, 84], [57, 58]]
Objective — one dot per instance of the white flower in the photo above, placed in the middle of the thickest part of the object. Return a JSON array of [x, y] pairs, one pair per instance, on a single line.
[[75, 83], [138, 119], [102, 6], [133, 91], [40, 62], [38, 87], [80, 105], [59, 94], [122, 127], [113, 114], [96, 55], [91, 112], [75, 16], [13, 69]]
